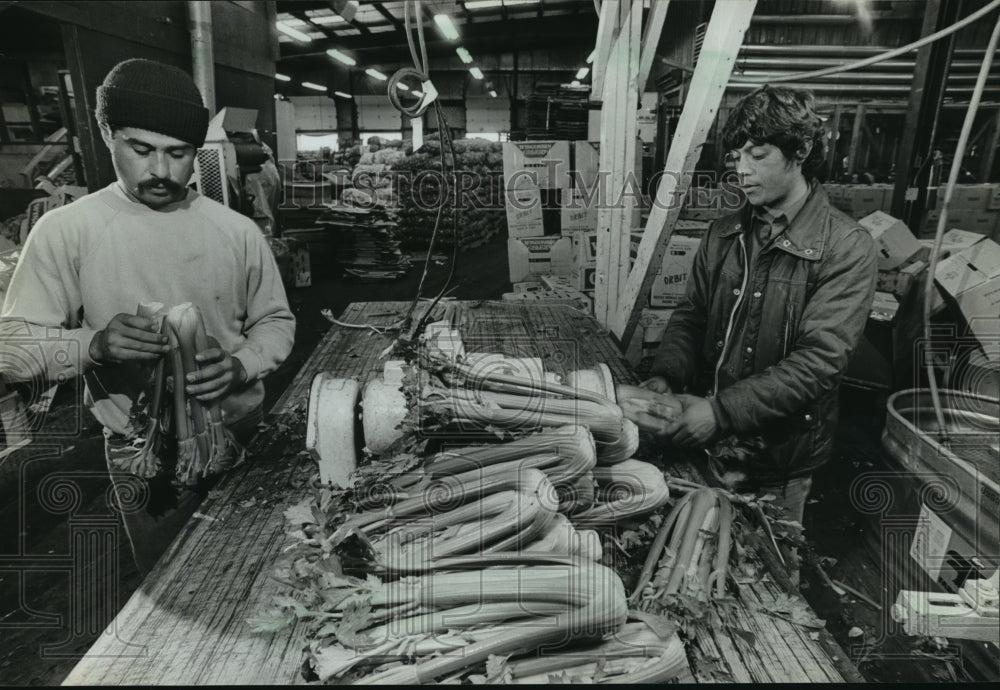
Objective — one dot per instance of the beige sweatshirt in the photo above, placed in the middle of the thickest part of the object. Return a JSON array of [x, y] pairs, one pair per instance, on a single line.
[[103, 254]]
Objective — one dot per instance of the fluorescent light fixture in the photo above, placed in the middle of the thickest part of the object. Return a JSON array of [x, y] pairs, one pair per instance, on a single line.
[[282, 77], [375, 74], [315, 87], [493, 93], [402, 87], [342, 94], [445, 26], [464, 54], [476, 72], [337, 55], [294, 33], [590, 58], [483, 4], [328, 19], [582, 73]]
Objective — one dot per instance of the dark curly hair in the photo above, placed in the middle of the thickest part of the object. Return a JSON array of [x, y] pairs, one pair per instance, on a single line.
[[782, 116]]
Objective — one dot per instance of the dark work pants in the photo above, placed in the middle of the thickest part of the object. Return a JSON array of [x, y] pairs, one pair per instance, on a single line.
[[165, 510], [792, 497]]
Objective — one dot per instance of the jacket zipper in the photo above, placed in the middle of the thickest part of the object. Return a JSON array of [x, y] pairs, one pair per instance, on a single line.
[[732, 314]]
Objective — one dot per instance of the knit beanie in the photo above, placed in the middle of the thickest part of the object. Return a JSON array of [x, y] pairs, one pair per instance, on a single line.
[[154, 96]]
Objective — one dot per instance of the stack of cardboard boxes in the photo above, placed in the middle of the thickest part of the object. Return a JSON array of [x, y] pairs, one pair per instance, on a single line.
[[968, 279], [535, 173], [974, 207], [555, 258], [553, 189], [858, 201]]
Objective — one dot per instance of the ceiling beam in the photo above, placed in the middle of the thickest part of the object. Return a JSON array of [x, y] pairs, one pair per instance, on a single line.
[[380, 8], [544, 28], [302, 16]]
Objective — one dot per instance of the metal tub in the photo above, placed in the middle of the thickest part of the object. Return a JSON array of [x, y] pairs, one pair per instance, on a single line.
[[960, 473]]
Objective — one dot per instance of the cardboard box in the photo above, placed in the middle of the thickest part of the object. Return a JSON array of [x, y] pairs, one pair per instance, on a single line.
[[587, 162], [584, 277], [527, 286], [865, 199], [584, 247], [993, 203], [670, 284], [908, 276], [524, 212], [648, 335], [894, 241], [955, 240], [577, 212], [966, 197], [532, 256], [972, 278], [547, 163], [981, 221]]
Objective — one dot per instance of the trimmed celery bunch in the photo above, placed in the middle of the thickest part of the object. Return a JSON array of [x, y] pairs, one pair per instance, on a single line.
[[169, 430]]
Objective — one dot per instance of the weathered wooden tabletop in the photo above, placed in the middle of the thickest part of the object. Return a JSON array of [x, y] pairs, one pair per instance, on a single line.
[[187, 623]]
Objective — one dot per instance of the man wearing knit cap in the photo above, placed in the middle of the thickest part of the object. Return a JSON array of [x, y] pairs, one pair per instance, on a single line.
[[147, 237]]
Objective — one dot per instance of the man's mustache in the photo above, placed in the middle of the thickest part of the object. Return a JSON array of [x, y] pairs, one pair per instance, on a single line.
[[169, 185]]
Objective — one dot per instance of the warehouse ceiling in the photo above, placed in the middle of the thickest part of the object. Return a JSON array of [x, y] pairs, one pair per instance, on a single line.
[[374, 36], [550, 37], [378, 26]]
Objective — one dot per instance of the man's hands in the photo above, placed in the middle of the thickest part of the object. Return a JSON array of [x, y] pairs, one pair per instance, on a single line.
[[689, 420], [218, 373], [650, 405], [128, 337], [697, 426]]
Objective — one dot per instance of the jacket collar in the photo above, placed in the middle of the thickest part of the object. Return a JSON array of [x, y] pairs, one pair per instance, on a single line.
[[804, 237]]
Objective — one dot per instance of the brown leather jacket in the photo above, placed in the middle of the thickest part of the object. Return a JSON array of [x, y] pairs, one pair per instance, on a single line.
[[771, 355]]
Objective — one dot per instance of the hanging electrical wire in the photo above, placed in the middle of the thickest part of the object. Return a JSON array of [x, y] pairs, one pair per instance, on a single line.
[[428, 97], [956, 166], [881, 57]]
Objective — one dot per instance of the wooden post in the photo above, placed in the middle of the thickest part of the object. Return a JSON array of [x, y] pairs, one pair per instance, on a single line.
[[32, 103], [924, 107], [852, 156], [831, 152], [989, 154], [651, 38], [723, 39], [97, 164], [618, 132], [606, 30], [66, 113]]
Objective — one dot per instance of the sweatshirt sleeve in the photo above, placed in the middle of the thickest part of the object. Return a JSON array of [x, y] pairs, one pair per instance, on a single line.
[[270, 325], [40, 324]]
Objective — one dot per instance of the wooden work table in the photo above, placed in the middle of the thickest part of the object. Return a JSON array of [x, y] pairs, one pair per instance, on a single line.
[[187, 623]]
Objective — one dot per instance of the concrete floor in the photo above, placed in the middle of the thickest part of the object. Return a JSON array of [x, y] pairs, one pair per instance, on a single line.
[[43, 635]]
